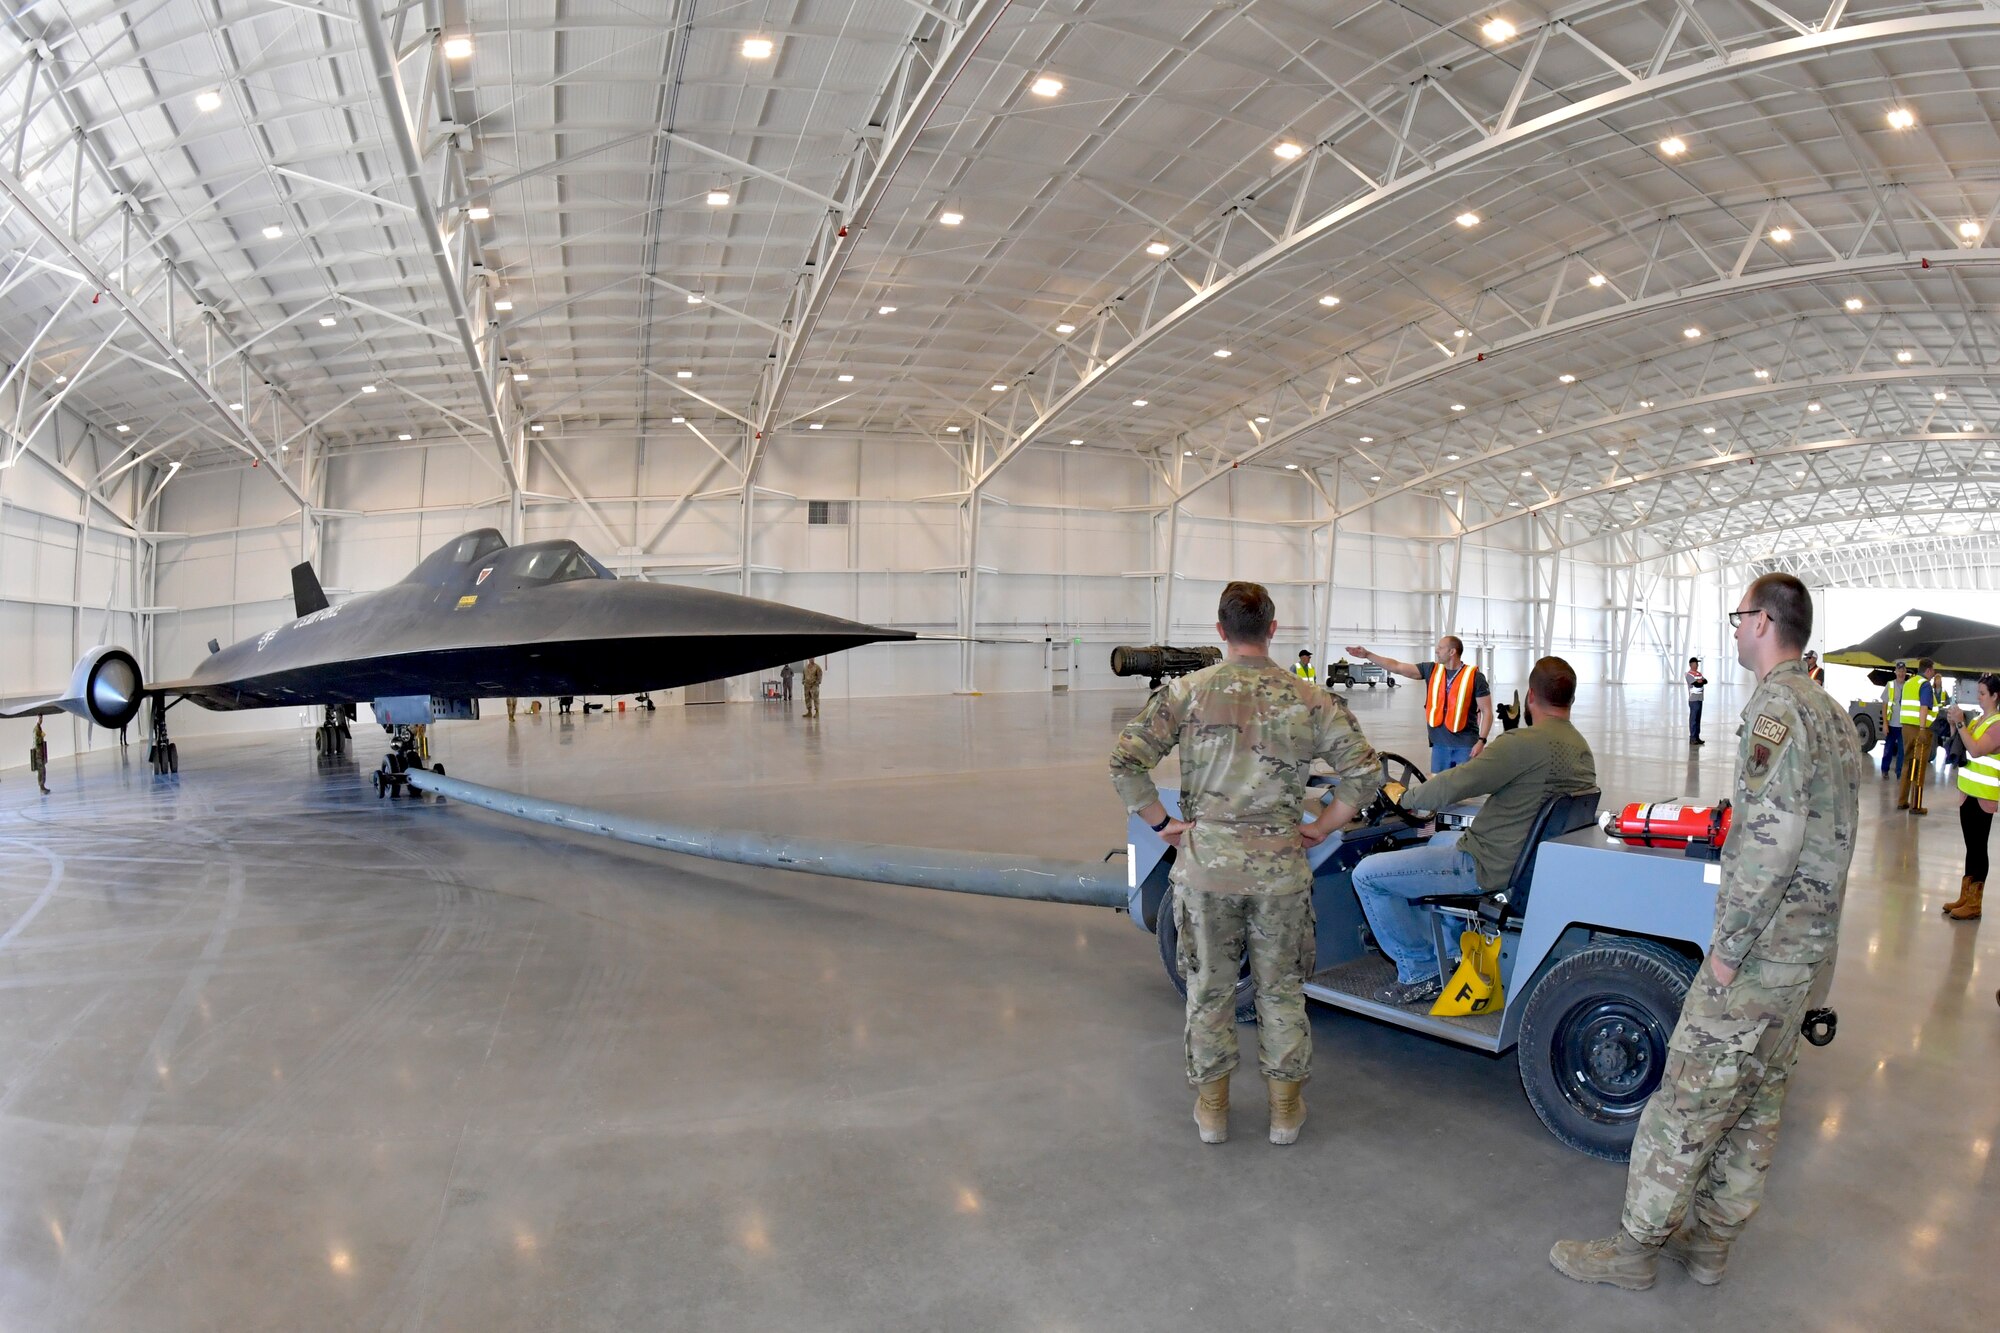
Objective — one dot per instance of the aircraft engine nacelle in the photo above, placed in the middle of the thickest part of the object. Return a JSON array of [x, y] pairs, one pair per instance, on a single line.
[[107, 687]]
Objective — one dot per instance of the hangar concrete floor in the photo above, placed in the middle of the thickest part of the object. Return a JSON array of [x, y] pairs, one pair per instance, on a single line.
[[276, 1054]]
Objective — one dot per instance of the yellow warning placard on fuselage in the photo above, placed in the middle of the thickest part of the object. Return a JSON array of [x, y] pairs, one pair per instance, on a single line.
[[469, 599]]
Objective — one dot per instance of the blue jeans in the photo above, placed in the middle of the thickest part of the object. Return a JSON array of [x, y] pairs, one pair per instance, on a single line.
[[1385, 883], [1694, 719], [1892, 749], [1448, 756]]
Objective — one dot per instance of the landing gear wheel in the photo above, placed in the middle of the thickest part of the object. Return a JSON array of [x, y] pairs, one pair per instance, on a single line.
[[173, 757], [1170, 945], [1594, 1040]]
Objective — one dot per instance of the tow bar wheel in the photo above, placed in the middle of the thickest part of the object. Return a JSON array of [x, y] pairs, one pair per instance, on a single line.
[[1594, 1040]]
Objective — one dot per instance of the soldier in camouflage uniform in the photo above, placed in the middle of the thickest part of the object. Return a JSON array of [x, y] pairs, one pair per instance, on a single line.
[[1706, 1137], [1248, 731], [814, 674]]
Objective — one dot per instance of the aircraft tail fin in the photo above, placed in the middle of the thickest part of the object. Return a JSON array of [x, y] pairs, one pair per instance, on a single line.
[[307, 595]]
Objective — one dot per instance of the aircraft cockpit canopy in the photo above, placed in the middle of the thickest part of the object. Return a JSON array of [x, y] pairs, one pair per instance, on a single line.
[[551, 562], [447, 565]]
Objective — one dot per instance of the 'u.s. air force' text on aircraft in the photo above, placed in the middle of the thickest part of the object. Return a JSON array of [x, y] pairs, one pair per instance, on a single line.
[[476, 619]]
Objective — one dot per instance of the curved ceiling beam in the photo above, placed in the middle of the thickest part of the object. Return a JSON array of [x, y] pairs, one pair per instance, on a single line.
[[1490, 142], [1585, 324], [1843, 487], [1758, 458], [1816, 525], [402, 133]]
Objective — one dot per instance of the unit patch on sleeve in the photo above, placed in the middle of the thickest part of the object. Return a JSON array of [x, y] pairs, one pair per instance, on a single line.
[[1768, 728]]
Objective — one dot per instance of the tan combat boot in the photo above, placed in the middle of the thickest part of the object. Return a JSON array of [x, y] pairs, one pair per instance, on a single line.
[[1288, 1110], [1618, 1260], [1211, 1111], [1968, 910], [1699, 1250], [1964, 883]]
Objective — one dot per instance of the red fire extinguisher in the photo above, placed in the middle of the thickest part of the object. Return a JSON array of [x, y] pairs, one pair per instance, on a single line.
[[1668, 824]]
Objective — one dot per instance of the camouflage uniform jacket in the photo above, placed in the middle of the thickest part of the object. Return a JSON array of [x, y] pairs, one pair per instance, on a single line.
[[1797, 800], [1248, 731], [813, 672]]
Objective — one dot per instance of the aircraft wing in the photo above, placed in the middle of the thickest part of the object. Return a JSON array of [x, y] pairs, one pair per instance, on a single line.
[[30, 707], [1960, 647]]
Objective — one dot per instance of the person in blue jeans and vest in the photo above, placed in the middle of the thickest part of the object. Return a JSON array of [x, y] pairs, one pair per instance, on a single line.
[[1892, 712], [1696, 683], [1458, 701], [1516, 773]]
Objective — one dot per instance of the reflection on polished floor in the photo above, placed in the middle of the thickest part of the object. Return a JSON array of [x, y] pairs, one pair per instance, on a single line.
[[275, 1054]]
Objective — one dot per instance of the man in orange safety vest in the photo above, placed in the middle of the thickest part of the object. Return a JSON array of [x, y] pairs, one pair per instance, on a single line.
[[1458, 701]]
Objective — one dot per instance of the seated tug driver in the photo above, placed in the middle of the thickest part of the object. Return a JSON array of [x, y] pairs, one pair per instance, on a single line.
[[1516, 773]]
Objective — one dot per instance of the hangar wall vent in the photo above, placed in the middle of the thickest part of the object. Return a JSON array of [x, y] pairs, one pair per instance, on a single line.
[[827, 513]]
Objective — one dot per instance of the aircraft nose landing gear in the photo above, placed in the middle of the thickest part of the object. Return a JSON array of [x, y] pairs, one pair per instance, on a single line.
[[409, 747], [331, 738]]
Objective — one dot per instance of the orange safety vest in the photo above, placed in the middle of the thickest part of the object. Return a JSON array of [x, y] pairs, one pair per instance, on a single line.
[[1450, 705]]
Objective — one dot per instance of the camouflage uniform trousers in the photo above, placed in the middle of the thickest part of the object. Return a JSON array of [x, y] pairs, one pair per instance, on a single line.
[[1216, 930], [1707, 1135], [812, 701]]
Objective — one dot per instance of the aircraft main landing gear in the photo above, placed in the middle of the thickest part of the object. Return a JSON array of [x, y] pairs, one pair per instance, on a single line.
[[331, 737], [406, 751], [161, 753]]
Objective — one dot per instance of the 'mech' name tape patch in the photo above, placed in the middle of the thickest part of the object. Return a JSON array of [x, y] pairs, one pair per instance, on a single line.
[[470, 599], [1768, 728]]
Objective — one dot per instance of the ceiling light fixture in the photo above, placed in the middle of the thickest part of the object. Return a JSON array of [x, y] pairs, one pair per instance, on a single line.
[[683, 374], [1902, 118], [1566, 379], [1353, 379], [1673, 147], [1969, 230], [1612, 452], [327, 321], [845, 379], [123, 428], [1076, 441], [1046, 86], [1852, 303], [503, 305], [236, 407], [273, 232], [817, 425], [1498, 30], [1812, 407], [1458, 407], [1690, 332], [999, 388], [758, 48], [1906, 356], [405, 435], [718, 198], [1294, 467], [1461, 333], [209, 100], [479, 212], [950, 217], [951, 430], [457, 48], [368, 388], [1065, 328], [1262, 421], [1645, 402], [1761, 374], [1598, 279], [695, 298], [679, 421], [1138, 402], [1708, 430], [1288, 150], [885, 310], [1780, 235], [1158, 248], [1451, 458], [1467, 219], [1937, 396], [1368, 439], [1329, 301], [1223, 353]]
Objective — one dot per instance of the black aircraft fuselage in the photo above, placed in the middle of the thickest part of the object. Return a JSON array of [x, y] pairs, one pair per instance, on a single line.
[[481, 619]]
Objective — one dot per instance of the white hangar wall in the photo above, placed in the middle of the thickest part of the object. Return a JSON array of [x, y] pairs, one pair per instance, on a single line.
[[1071, 556], [70, 556]]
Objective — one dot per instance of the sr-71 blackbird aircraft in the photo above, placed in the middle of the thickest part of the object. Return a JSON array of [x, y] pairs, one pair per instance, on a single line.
[[1959, 647], [477, 619]]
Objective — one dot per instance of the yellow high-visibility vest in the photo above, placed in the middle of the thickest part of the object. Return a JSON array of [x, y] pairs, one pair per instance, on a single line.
[[1912, 714], [1980, 776], [1302, 672]]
